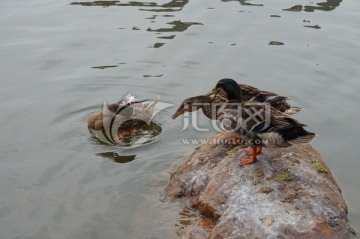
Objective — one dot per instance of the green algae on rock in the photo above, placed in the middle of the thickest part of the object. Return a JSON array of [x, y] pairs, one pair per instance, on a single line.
[[267, 221], [319, 168], [283, 176]]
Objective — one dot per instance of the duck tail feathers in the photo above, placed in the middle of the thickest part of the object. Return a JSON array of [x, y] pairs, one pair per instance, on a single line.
[[297, 135], [305, 139]]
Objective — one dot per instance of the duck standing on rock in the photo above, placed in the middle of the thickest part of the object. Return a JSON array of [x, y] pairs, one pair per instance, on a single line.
[[210, 104], [258, 124]]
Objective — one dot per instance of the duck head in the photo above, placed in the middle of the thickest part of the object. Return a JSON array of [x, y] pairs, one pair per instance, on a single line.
[[192, 104], [231, 88]]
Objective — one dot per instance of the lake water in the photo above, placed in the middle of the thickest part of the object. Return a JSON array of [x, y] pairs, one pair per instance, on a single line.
[[60, 60]]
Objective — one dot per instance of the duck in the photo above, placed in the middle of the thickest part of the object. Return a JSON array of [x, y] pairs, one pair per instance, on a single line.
[[128, 115], [210, 104], [257, 124], [206, 103]]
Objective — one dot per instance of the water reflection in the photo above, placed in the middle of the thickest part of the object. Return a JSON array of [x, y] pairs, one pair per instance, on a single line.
[[322, 6], [276, 43], [178, 26], [243, 2], [167, 37], [157, 45], [296, 8], [175, 5], [186, 217], [172, 6], [314, 26], [96, 3], [153, 75], [144, 135], [104, 67], [153, 17], [116, 157]]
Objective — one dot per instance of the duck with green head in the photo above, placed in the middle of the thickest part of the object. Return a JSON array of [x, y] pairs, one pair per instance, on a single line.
[[210, 104], [270, 128]]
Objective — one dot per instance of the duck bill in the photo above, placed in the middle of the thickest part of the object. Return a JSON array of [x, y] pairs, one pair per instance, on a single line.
[[213, 91], [180, 111]]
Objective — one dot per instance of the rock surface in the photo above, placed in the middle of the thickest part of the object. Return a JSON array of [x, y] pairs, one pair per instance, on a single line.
[[288, 193]]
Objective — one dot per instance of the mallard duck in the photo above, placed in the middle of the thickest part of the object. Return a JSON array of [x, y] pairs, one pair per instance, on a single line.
[[204, 102], [127, 115], [256, 123], [211, 104]]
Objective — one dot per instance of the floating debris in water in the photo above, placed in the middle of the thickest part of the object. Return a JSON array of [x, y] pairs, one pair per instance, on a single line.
[[275, 16], [276, 43]]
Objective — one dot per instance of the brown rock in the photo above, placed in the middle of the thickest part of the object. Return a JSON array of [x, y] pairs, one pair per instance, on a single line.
[[288, 193]]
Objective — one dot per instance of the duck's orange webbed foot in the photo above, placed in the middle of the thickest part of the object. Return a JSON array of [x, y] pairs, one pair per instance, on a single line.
[[252, 158], [126, 133], [258, 150], [247, 161]]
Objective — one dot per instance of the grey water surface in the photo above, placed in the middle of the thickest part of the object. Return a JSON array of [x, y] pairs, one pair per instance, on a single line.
[[60, 60]]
